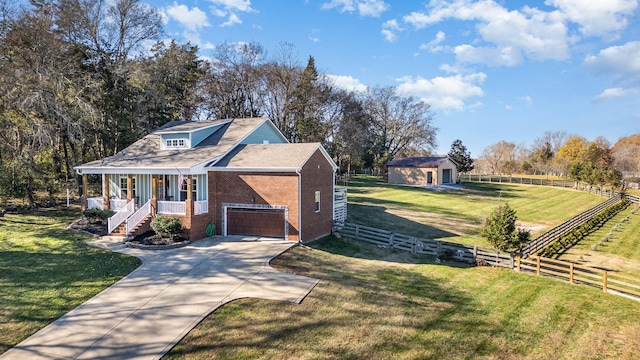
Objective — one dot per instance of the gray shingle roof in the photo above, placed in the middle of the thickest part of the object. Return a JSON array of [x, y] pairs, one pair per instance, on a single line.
[[268, 156], [147, 153], [422, 162]]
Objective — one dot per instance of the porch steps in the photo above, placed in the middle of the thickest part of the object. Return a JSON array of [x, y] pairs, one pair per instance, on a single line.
[[121, 230]]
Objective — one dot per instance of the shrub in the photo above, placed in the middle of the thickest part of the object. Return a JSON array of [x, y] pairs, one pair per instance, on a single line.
[[98, 214], [500, 229], [168, 225]]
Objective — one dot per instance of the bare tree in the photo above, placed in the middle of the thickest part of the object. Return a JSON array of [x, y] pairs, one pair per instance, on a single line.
[[501, 157], [399, 123]]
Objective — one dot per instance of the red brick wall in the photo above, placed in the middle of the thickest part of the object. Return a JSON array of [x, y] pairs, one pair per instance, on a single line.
[[254, 188], [317, 174]]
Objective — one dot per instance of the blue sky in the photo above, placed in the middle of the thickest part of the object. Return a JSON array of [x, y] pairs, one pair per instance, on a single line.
[[491, 70]]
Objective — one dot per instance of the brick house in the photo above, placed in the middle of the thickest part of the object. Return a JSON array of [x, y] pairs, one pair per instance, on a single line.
[[239, 176], [425, 170]]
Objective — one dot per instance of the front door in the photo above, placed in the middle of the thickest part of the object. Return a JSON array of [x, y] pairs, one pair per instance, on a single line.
[[446, 176], [429, 177]]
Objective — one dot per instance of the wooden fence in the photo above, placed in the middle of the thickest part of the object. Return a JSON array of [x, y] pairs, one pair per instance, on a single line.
[[440, 249], [555, 233], [608, 281], [537, 181]]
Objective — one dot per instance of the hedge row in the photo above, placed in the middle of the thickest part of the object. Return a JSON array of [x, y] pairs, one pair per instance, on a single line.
[[574, 236]]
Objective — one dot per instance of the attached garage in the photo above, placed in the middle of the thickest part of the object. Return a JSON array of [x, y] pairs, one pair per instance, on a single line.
[[255, 220]]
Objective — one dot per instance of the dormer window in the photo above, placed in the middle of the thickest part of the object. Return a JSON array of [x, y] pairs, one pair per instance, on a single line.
[[175, 143]]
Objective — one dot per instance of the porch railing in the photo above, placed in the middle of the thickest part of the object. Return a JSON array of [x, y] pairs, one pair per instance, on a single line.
[[172, 207], [95, 203], [117, 204], [200, 207], [138, 216], [121, 216]]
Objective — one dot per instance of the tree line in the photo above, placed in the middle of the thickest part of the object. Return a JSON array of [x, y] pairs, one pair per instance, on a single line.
[[83, 79], [596, 162]]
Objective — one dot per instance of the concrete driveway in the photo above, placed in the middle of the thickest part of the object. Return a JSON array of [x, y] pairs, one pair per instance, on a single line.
[[146, 313]]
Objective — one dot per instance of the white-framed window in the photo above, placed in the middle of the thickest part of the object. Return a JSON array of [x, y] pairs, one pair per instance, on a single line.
[[317, 201], [175, 143], [194, 189]]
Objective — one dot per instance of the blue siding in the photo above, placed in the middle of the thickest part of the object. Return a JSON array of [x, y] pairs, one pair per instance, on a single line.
[[262, 133], [199, 135]]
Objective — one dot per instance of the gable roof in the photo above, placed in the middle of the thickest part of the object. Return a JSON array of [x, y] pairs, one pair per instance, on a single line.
[[270, 157], [146, 153], [421, 161]]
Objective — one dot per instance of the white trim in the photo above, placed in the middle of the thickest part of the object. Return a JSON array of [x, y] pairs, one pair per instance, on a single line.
[[299, 205], [169, 131], [326, 155], [137, 171], [254, 169], [226, 206]]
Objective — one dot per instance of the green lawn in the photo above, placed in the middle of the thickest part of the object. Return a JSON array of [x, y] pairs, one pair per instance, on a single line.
[[45, 271], [621, 253], [374, 303], [457, 215]]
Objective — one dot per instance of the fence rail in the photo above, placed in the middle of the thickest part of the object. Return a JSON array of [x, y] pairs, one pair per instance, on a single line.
[[536, 181], [172, 207], [441, 249], [609, 282], [555, 233]]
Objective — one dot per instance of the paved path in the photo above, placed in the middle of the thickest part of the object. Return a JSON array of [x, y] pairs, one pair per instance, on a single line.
[[146, 313]]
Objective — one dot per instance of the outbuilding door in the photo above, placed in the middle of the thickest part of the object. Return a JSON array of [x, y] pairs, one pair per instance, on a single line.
[[256, 221], [446, 176]]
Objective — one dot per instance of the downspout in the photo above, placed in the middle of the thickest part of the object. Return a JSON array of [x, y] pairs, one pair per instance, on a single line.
[[299, 205]]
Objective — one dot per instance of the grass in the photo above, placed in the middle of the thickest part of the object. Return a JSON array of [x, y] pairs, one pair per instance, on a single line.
[[45, 271], [376, 303], [457, 215], [621, 253]]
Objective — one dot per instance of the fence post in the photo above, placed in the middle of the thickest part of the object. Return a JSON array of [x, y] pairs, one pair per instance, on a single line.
[[518, 263], [357, 231], [510, 261], [391, 240], [538, 265], [438, 248], [571, 273], [475, 252], [604, 281], [413, 245]]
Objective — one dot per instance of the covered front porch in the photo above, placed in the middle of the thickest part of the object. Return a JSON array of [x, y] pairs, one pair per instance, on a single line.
[[137, 197]]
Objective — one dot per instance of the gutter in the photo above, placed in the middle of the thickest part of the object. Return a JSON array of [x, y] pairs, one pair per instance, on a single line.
[[299, 206]]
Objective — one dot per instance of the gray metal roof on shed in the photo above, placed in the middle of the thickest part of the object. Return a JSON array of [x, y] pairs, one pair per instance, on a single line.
[[421, 162]]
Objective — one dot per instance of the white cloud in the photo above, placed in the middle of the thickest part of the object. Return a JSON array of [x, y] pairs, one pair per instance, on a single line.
[[230, 9], [596, 18], [232, 20], [613, 93], [527, 99], [237, 5], [507, 107], [434, 46], [373, 8], [348, 83], [390, 28], [447, 93], [508, 55], [623, 60], [508, 33], [192, 20]]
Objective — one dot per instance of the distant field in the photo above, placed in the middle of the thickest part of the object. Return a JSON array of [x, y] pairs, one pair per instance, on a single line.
[[374, 303], [621, 253], [457, 215]]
